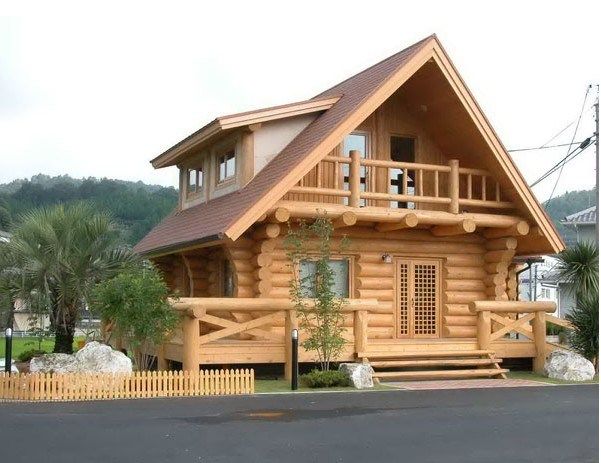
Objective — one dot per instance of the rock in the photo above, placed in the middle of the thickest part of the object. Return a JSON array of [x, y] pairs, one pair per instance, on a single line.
[[53, 363], [101, 358], [94, 357], [360, 374], [568, 366]]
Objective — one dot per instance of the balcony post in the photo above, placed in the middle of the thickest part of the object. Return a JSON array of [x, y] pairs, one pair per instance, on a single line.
[[483, 329], [291, 323], [355, 178], [454, 186], [539, 332], [360, 330], [191, 347]]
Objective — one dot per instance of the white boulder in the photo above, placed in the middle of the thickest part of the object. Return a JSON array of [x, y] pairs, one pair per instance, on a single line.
[[53, 363], [94, 357], [568, 366], [360, 374]]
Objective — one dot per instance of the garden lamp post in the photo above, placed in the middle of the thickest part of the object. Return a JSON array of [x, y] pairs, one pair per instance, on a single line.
[[8, 356], [294, 351]]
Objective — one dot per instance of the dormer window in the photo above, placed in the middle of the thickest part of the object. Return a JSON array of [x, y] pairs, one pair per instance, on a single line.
[[227, 165], [195, 182]]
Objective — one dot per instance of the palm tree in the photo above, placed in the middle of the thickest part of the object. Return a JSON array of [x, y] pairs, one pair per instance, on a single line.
[[579, 266], [57, 255]]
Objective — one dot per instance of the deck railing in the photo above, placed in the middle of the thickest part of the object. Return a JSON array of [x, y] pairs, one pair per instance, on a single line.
[[496, 319], [449, 185], [197, 312]]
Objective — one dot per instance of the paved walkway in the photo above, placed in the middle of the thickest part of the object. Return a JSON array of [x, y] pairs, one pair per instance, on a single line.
[[463, 384]]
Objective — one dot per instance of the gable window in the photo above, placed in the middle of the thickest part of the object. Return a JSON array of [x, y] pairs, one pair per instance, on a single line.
[[402, 149], [195, 181], [355, 141], [340, 267], [227, 165]]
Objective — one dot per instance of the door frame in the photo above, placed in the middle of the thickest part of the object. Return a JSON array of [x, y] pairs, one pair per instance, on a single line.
[[410, 314]]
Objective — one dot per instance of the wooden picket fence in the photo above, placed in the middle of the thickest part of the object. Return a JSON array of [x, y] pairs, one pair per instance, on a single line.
[[136, 385]]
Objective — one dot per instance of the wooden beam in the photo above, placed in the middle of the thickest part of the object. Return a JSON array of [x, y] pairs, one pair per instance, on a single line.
[[461, 228], [520, 228], [270, 230], [410, 220], [347, 219], [280, 215]]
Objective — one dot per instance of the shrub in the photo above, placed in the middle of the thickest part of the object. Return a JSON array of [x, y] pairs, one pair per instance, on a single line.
[[326, 378], [27, 355], [584, 338]]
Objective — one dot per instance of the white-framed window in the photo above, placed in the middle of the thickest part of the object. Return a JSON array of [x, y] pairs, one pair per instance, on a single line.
[[226, 165], [194, 181], [355, 141], [341, 270]]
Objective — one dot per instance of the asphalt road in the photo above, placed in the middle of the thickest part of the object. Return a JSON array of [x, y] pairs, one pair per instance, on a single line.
[[546, 424]]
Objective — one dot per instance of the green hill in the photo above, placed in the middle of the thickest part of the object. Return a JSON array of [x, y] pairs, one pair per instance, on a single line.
[[135, 205], [138, 206]]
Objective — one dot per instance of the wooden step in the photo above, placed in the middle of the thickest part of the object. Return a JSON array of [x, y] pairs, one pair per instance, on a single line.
[[440, 374], [433, 362], [428, 354]]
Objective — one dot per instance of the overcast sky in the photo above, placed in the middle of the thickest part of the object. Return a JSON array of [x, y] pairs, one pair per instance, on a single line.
[[101, 91]]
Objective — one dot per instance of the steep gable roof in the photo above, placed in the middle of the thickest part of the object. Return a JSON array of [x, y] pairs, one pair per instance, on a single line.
[[229, 216]]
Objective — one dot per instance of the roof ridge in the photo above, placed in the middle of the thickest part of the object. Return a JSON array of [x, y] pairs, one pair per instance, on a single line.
[[404, 50]]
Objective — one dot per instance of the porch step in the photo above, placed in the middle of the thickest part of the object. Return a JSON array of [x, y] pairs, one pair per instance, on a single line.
[[426, 354], [440, 374], [421, 365], [435, 362]]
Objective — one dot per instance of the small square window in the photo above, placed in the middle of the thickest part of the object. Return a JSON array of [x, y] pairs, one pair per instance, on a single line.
[[194, 181], [340, 268], [227, 165]]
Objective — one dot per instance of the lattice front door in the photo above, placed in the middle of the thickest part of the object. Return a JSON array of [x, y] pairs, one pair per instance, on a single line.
[[417, 298]]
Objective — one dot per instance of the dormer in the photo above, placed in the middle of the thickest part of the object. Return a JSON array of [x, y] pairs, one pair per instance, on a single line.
[[223, 156]]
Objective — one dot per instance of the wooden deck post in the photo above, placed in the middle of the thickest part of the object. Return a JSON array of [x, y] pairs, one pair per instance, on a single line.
[[539, 332], [355, 178], [191, 347], [290, 324], [483, 330], [454, 186], [162, 364], [360, 331]]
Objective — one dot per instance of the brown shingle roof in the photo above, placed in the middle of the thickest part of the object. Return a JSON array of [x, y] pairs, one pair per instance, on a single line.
[[210, 220]]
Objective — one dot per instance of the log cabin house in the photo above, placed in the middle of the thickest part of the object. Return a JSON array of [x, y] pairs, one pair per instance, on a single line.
[[404, 162]]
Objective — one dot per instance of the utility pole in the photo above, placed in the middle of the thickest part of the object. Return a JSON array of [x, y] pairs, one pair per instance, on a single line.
[[597, 165]]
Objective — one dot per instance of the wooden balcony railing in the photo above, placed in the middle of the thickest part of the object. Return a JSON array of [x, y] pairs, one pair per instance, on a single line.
[[197, 311], [449, 185], [497, 319]]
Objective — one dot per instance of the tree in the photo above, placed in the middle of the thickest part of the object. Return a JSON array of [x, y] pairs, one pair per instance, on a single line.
[[579, 266], [585, 335], [57, 255], [313, 293], [135, 304]]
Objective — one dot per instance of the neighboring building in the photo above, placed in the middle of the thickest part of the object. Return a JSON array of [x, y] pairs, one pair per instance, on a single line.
[[4, 236], [584, 223], [404, 162]]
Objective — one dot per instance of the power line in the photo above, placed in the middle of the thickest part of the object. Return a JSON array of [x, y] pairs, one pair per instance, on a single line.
[[569, 157], [544, 147], [572, 141]]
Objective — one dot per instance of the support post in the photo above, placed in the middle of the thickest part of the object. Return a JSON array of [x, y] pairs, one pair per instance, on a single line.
[[483, 329], [454, 186], [294, 379], [191, 347], [8, 350], [291, 323], [539, 332], [355, 178], [162, 364], [360, 330]]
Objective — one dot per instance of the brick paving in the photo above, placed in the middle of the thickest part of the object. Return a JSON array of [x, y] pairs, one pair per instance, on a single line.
[[463, 384]]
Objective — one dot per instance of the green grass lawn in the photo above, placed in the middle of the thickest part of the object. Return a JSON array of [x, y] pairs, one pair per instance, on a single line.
[[27, 343], [530, 376], [281, 385]]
